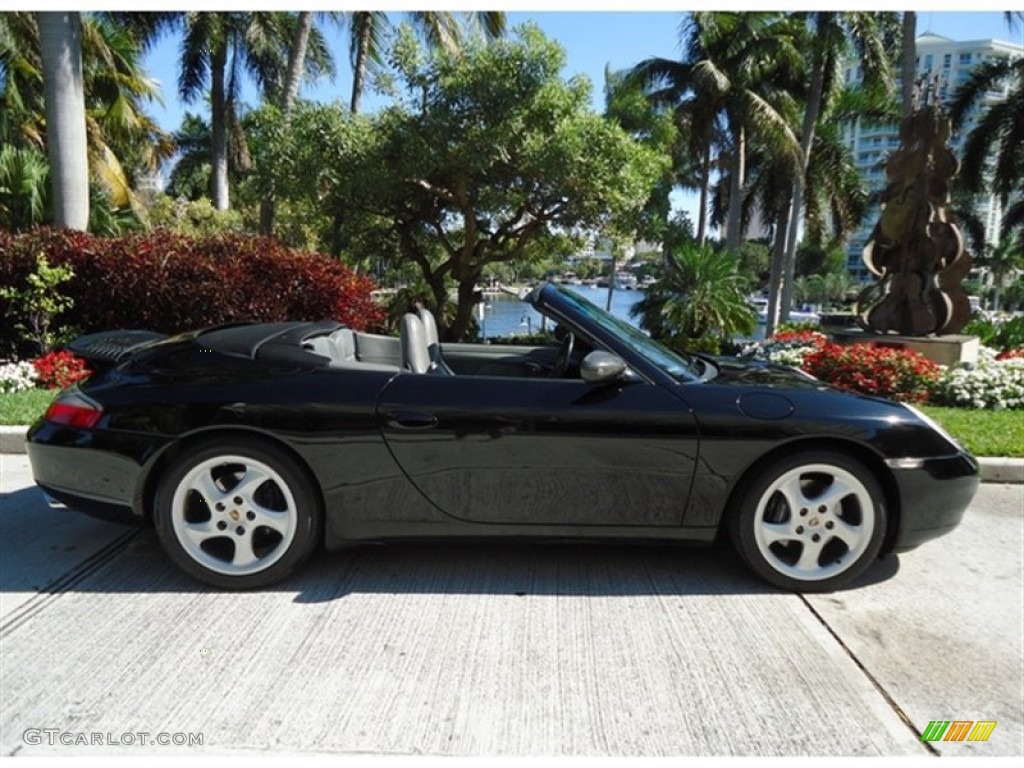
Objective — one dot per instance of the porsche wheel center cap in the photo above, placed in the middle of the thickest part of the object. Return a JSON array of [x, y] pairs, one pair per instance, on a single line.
[[812, 522], [233, 514]]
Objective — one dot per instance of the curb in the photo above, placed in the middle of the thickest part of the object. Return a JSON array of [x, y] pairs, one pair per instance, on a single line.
[[12, 439], [993, 469]]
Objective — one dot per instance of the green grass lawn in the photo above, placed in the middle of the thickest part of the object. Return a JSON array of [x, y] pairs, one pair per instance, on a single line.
[[24, 407], [985, 433]]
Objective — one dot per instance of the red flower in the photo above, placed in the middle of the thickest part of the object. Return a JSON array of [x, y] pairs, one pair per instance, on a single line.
[[881, 371], [60, 369]]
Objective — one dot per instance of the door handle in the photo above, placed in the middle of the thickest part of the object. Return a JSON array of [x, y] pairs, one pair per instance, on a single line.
[[411, 420]]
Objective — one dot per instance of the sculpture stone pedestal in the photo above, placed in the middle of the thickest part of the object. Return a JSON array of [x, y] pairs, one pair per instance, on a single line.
[[948, 350]]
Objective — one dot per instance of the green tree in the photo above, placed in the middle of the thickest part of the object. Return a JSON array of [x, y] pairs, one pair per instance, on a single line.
[[490, 159], [654, 126], [698, 302]]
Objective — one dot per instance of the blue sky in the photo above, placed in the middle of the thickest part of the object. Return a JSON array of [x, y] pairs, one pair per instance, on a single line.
[[591, 40]]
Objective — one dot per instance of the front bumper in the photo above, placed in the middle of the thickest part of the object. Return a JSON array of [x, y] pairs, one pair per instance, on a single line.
[[934, 494]]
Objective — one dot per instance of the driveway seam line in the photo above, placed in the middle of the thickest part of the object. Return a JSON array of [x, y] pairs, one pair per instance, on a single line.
[[893, 705], [60, 586]]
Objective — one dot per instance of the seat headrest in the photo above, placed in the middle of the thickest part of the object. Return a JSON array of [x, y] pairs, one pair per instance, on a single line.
[[415, 351], [430, 325]]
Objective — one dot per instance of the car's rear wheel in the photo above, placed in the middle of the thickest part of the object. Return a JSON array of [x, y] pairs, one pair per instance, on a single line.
[[810, 522], [237, 515]]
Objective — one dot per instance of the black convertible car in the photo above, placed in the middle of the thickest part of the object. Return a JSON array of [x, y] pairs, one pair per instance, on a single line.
[[248, 445]]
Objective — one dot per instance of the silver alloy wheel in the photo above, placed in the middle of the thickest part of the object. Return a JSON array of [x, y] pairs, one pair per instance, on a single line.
[[234, 515], [814, 521]]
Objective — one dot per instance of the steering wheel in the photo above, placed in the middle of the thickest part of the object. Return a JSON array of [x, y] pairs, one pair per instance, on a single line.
[[564, 356]]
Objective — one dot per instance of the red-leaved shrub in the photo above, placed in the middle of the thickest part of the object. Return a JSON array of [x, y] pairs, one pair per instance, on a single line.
[[170, 283], [57, 370], [899, 374]]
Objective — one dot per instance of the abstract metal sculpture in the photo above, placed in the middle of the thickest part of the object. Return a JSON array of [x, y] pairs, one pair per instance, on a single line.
[[915, 250]]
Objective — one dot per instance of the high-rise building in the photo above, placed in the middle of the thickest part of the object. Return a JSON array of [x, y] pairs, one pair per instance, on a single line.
[[948, 64]]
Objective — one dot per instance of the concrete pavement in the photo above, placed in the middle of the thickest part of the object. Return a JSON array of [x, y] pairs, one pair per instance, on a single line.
[[503, 649]]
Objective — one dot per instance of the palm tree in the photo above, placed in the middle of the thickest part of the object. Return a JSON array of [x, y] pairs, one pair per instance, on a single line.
[[216, 49], [993, 157], [1013, 219], [190, 177], [122, 139], [1002, 259], [60, 43], [908, 61], [758, 58], [24, 176], [369, 31], [694, 94], [307, 54], [698, 301], [722, 93], [830, 34]]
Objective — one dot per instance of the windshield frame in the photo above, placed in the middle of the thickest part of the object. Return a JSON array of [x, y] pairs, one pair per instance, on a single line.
[[638, 349]]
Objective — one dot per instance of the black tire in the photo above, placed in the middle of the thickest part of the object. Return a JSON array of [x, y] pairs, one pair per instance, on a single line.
[[237, 514], [833, 497]]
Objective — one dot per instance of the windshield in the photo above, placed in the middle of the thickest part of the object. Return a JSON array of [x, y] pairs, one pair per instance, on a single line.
[[676, 364]]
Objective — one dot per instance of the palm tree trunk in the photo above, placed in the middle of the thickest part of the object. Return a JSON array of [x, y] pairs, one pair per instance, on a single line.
[[811, 114], [775, 275], [296, 60], [705, 183], [909, 68], [218, 110], [363, 20], [734, 222], [296, 66], [60, 38]]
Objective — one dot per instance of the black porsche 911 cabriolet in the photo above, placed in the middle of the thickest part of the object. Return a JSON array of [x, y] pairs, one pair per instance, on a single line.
[[248, 445]]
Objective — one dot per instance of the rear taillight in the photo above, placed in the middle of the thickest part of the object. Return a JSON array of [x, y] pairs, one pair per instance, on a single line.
[[74, 410]]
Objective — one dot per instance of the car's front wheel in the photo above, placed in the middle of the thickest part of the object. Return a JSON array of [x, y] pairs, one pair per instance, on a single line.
[[810, 522], [237, 515]]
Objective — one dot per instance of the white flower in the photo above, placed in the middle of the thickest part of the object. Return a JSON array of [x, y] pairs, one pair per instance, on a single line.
[[17, 377], [997, 384]]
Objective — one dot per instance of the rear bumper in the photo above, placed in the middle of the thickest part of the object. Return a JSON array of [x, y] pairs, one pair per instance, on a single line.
[[934, 494], [95, 472]]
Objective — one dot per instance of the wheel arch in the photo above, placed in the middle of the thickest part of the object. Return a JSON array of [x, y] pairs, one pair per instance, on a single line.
[[855, 450], [169, 454]]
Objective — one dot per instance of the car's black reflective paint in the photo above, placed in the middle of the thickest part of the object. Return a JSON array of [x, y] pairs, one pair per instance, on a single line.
[[395, 455]]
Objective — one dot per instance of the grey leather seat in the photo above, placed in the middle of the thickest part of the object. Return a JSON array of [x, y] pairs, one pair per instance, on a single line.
[[433, 341], [415, 354]]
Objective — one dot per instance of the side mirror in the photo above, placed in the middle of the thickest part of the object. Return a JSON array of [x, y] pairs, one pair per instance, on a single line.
[[602, 367]]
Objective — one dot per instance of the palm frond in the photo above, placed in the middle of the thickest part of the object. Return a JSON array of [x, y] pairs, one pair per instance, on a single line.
[[202, 35]]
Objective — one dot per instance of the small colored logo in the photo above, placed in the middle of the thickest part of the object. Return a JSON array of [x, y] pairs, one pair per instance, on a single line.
[[958, 730]]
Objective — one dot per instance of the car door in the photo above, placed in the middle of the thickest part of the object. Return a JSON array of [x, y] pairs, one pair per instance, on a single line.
[[542, 451]]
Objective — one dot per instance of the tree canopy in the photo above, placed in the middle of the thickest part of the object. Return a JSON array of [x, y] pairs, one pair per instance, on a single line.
[[488, 155]]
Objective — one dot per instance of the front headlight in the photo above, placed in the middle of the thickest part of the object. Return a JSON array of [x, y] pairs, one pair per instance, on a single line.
[[936, 426]]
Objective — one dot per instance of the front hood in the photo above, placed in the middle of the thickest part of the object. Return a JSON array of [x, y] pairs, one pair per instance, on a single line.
[[733, 371]]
